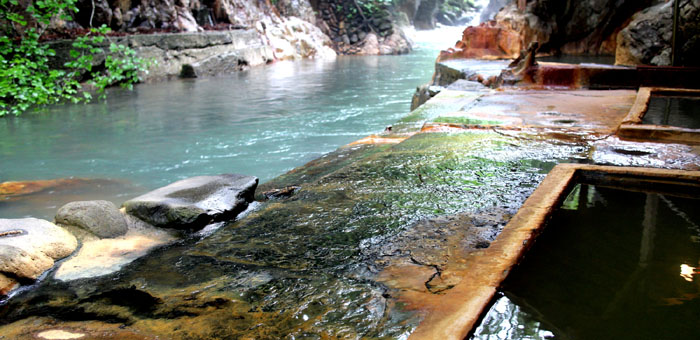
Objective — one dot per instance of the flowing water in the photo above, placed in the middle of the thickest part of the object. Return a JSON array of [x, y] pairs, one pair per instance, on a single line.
[[261, 122]]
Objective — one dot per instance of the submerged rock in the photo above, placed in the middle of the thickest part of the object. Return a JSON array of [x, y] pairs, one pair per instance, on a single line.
[[29, 247], [102, 218], [194, 202]]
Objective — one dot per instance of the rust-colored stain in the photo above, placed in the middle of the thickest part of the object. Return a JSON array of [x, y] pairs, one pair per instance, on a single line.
[[376, 140], [11, 189]]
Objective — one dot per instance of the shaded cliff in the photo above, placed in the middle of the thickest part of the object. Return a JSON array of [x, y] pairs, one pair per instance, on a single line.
[[638, 31]]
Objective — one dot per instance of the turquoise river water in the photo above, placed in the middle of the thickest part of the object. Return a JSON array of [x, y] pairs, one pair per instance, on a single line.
[[261, 122]]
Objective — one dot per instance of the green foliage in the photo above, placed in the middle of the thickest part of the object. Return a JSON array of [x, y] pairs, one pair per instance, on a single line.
[[26, 77]]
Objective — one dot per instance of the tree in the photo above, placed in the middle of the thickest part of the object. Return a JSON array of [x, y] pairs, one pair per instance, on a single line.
[[26, 77]]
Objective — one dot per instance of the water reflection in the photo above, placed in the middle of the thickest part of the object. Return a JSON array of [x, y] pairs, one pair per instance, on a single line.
[[607, 267], [505, 320]]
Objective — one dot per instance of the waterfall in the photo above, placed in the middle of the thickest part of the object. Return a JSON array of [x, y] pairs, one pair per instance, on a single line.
[[483, 5], [490, 9]]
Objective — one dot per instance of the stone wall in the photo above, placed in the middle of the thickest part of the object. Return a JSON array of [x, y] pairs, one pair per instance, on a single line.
[[206, 53], [355, 28]]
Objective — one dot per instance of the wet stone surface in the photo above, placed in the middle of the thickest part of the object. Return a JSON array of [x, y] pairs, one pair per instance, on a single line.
[[308, 265]]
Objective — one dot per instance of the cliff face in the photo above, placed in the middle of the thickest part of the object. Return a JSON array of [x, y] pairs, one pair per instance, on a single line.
[[179, 15], [583, 27], [291, 27], [647, 39], [638, 31]]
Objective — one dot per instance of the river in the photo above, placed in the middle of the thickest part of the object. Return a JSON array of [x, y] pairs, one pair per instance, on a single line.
[[261, 122]]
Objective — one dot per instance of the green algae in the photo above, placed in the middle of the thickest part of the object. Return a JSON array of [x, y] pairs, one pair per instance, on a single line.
[[303, 266], [321, 166], [444, 102], [466, 120]]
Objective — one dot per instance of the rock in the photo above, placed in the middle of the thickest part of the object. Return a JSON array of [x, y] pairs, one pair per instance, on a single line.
[[361, 35], [224, 63], [29, 246], [371, 45], [353, 38], [101, 257], [102, 218], [194, 202], [7, 285], [519, 69], [425, 14], [345, 39], [395, 43], [298, 8], [279, 193], [295, 39], [487, 41], [23, 264], [647, 38], [570, 27]]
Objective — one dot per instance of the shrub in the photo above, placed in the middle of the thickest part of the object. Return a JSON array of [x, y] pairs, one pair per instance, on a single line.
[[26, 77]]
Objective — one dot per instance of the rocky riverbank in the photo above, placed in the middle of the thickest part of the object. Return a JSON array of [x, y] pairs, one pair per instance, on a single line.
[[103, 238]]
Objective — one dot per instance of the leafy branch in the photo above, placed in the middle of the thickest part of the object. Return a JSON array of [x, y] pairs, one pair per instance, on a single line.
[[26, 77]]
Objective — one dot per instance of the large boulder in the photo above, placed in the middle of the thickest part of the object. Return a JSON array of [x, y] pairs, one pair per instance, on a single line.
[[194, 202], [98, 257], [569, 27], [424, 18], [489, 40], [647, 38], [29, 246], [101, 218]]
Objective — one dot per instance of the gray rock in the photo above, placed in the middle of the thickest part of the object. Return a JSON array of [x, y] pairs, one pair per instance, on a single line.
[[491, 9], [29, 246], [217, 64], [385, 26], [194, 202], [102, 218], [361, 35], [647, 38]]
